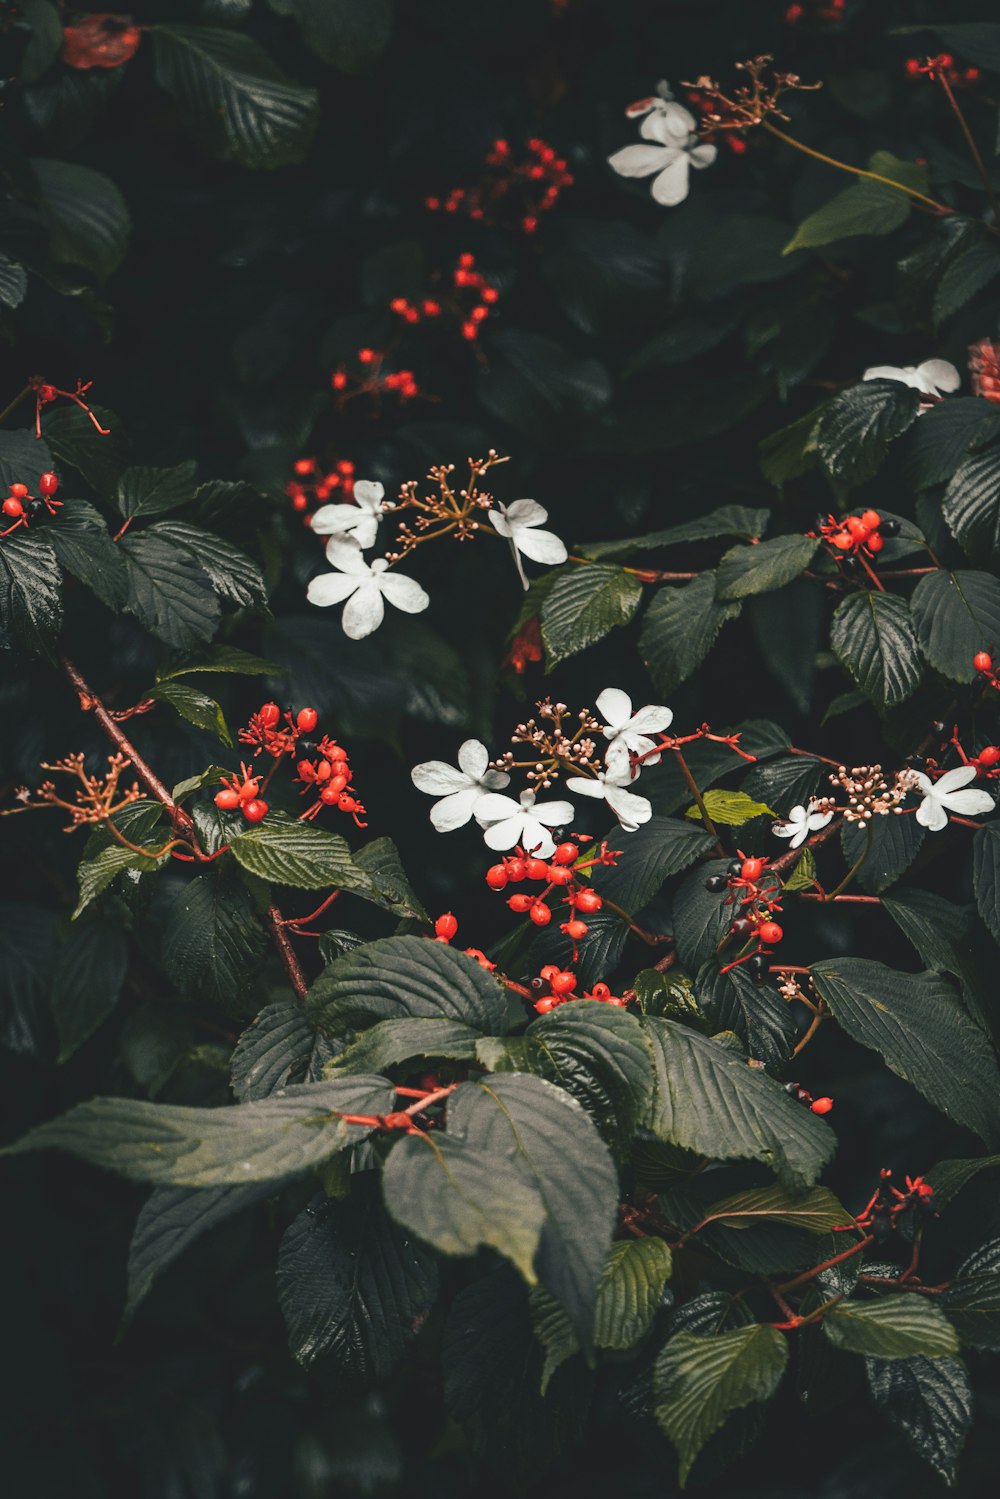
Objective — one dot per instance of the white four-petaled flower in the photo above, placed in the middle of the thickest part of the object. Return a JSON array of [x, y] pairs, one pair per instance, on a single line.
[[932, 378], [675, 149], [946, 795], [364, 587], [802, 821], [359, 521], [518, 524], [630, 731], [507, 822], [461, 790], [611, 787]]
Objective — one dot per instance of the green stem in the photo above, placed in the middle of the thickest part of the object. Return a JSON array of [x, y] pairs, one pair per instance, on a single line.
[[842, 166], [848, 877]]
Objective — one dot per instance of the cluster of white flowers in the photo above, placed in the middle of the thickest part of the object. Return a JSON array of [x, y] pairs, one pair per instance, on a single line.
[[675, 148], [365, 586], [937, 798], [473, 789]]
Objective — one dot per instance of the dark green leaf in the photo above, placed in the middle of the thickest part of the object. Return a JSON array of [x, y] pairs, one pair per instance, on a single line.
[[73, 438], [755, 1012], [537, 387], [955, 615], [168, 592], [409, 977], [762, 568], [728, 520], [87, 217], [281, 1046], [350, 34], [895, 843], [390, 1042], [583, 605], [231, 572], [986, 875], [817, 1210], [26, 960], [30, 599], [858, 426], [83, 545], [680, 628], [972, 1302], [86, 981], [891, 1327], [285, 851], [873, 636], [212, 941], [971, 504], [381, 862], [866, 208], [152, 491], [930, 1400]]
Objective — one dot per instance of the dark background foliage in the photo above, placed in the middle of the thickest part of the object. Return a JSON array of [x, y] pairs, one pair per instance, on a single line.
[[636, 360]]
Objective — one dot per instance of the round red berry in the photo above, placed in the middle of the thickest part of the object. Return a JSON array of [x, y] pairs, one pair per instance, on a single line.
[[989, 756], [549, 972], [269, 715], [496, 877], [13, 507], [982, 660], [752, 869], [227, 800], [575, 929], [330, 794], [821, 1105], [19, 491], [875, 542], [770, 932], [255, 811], [47, 485], [600, 991], [446, 926], [248, 791], [306, 720], [543, 1006], [536, 869], [871, 519], [520, 903], [587, 900], [515, 871], [565, 854], [540, 913], [563, 982], [558, 874]]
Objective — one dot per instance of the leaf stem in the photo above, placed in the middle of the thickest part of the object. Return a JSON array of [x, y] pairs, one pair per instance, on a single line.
[[696, 792], [941, 209], [984, 176]]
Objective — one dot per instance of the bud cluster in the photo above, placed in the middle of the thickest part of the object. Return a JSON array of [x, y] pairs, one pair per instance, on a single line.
[[552, 746], [868, 792], [510, 189]]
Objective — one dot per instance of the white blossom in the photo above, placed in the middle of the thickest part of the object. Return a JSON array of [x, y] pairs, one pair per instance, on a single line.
[[945, 795], [932, 378], [507, 822], [518, 524], [610, 786], [802, 821], [461, 790], [627, 731], [675, 149], [364, 587], [360, 521]]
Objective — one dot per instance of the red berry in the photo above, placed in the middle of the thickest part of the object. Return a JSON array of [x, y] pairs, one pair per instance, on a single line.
[[770, 932], [536, 869], [446, 926], [575, 929], [982, 660], [346, 803], [334, 752], [549, 972], [565, 854], [307, 720], [520, 903], [558, 874], [496, 877], [515, 871], [19, 491], [600, 991], [857, 527], [562, 983], [752, 869], [248, 791], [543, 1006], [255, 811], [330, 794], [227, 800], [540, 913], [47, 485], [875, 542], [871, 519], [842, 541], [269, 715], [587, 900], [821, 1105], [13, 507]]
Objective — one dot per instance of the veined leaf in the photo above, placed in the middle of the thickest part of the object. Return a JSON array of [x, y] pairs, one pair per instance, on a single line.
[[680, 628], [894, 1326], [817, 1210], [583, 605], [873, 635], [746, 570], [409, 977]]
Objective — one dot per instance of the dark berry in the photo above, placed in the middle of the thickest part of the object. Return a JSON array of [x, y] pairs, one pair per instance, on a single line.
[[716, 883]]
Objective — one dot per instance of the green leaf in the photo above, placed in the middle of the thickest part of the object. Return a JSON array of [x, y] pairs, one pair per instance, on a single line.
[[955, 615], [583, 605], [947, 937], [73, 438], [663, 846], [95, 875], [920, 1026], [281, 1046], [872, 635], [818, 1211], [893, 1326], [791, 451], [866, 208], [698, 1381], [349, 34], [409, 977], [45, 34], [212, 943], [232, 98], [83, 546], [87, 981], [13, 282], [949, 1177], [221, 658], [538, 387], [730, 808], [746, 570], [857, 427], [390, 1042], [172, 1145], [30, 598], [895, 843], [168, 592], [701, 917], [26, 960], [197, 707], [353, 1287], [973, 1299], [381, 862], [680, 628], [630, 1292], [708, 1100], [231, 572], [151, 491], [87, 217], [971, 504], [986, 875], [930, 1401], [728, 520], [285, 851]]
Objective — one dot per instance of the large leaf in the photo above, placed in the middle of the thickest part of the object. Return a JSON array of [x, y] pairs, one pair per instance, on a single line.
[[280, 1046], [168, 592], [986, 875], [98, 456], [757, 1013], [83, 546], [895, 843], [708, 1100], [350, 34], [701, 916], [352, 1285], [26, 961], [973, 1299], [873, 635], [893, 1326], [30, 600], [409, 977], [390, 1042], [971, 504], [745, 570], [922, 1029], [858, 426], [88, 219], [172, 1145], [949, 939], [631, 1292], [212, 942], [231, 572], [955, 615], [728, 520], [817, 1210], [930, 1400], [381, 862], [866, 208], [196, 706], [285, 851], [680, 628], [87, 980], [232, 98], [663, 846], [538, 387], [583, 605], [700, 1380], [153, 491]]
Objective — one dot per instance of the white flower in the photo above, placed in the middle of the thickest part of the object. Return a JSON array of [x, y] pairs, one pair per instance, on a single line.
[[677, 149], [461, 790], [517, 523], [508, 822], [627, 730], [802, 821], [931, 378], [631, 810], [364, 587], [359, 521], [944, 795]]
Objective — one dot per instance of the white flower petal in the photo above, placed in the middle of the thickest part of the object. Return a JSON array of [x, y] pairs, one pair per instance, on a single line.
[[536, 839], [334, 520], [937, 375], [703, 154], [969, 803], [473, 758], [920, 782], [540, 546], [671, 186], [526, 513], [653, 719], [553, 814], [435, 778], [668, 122], [346, 557], [960, 775], [368, 493], [365, 530], [330, 588], [496, 808], [931, 814], [891, 372], [615, 706], [506, 834], [455, 810], [617, 758], [500, 525], [643, 161], [405, 593], [584, 786], [631, 810], [364, 612]]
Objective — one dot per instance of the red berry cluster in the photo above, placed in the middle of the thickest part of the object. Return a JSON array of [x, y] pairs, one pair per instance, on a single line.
[[800, 1094], [466, 304], [279, 736], [518, 190], [46, 393], [242, 791], [311, 485], [22, 508], [822, 11], [371, 379], [329, 775], [555, 986], [562, 872], [984, 367], [887, 1204], [99, 41], [753, 925], [855, 536], [942, 66]]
